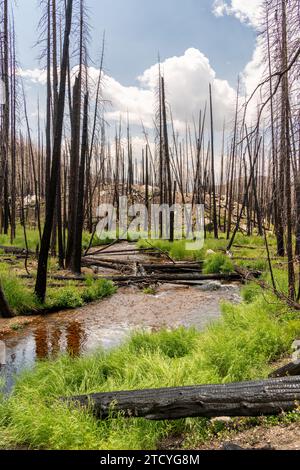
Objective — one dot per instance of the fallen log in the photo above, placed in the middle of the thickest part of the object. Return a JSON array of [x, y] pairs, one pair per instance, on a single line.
[[195, 267], [250, 276], [104, 264], [246, 274], [267, 397], [92, 260], [15, 250], [152, 279], [177, 277], [122, 252], [289, 370]]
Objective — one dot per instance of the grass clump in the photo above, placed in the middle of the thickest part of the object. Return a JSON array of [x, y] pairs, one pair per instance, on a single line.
[[240, 346], [97, 289], [19, 297], [218, 263], [33, 238], [177, 250], [65, 297], [22, 299], [149, 290]]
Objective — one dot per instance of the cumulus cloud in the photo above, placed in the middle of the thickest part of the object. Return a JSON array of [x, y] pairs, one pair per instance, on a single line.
[[187, 80], [255, 69], [247, 11], [37, 76]]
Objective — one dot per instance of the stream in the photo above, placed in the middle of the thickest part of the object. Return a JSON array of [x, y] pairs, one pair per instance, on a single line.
[[108, 323]]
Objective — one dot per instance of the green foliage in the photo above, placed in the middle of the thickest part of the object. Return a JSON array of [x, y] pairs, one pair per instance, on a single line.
[[19, 297], [22, 300], [97, 289], [65, 297], [86, 238], [250, 292], [218, 263], [33, 239], [149, 291], [177, 250], [179, 343], [237, 347]]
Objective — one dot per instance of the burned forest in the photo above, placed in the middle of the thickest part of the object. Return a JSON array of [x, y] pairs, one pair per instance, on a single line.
[[149, 229]]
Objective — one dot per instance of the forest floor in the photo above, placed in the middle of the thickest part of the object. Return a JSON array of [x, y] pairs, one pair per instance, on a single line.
[[258, 437], [243, 344]]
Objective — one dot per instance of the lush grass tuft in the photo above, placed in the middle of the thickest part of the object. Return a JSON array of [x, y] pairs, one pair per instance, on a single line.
[[218, 263], [19, 297], [23, 301]]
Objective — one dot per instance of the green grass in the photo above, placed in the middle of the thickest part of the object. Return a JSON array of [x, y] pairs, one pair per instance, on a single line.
[[179, 252], [218, 263], [22, 300], [240, 346], [177, 249], [34, 241], [19, 242], [19, 297]]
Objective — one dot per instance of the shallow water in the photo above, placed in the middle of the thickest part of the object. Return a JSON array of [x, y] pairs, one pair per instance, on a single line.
[[108, 323]]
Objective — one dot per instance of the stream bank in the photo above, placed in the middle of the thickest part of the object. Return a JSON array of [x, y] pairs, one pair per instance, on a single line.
[[108, 323]]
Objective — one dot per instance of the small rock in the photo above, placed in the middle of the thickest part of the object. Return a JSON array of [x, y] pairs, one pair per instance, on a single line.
[[210, 286], [210, 252], [296, 345], [231, 446]]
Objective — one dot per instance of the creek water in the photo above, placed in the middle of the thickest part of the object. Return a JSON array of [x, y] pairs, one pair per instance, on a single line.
[[108, 323]]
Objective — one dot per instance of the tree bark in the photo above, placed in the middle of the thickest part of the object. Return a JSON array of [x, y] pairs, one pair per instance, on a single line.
[[41, 283], [5, 311], [268, 397]]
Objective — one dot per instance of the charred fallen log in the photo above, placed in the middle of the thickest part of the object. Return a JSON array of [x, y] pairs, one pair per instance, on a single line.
[[15, 250], [267, 397], [291, 369]]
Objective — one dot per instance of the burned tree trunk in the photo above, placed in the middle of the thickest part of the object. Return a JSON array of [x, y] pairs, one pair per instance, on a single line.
[[41, 283], [268, 397], [5, 311]]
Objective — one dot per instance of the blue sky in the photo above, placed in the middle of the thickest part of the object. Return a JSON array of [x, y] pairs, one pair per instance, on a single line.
[[200, 42], [137, 29]]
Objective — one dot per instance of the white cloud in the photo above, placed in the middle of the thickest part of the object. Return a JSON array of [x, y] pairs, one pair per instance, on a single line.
[[247, 11], [255, 69], [187, 80], [36, 76]]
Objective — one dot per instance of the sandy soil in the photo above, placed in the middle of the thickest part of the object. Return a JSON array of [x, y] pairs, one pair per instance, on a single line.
[[284, 437]]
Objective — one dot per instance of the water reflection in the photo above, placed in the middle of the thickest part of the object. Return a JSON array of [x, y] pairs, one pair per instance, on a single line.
[[107, 325], [41, 342], [48, 340], [55, 341], [76, 337]]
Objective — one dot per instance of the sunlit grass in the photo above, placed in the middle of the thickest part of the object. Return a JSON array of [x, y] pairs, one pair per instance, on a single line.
[[22, 300], [240, 346]]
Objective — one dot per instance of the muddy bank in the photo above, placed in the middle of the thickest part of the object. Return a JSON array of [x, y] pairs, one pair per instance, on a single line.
[[108, 323]]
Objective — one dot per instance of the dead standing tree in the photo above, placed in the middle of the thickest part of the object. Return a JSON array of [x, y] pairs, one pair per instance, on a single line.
[[41, 283]]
